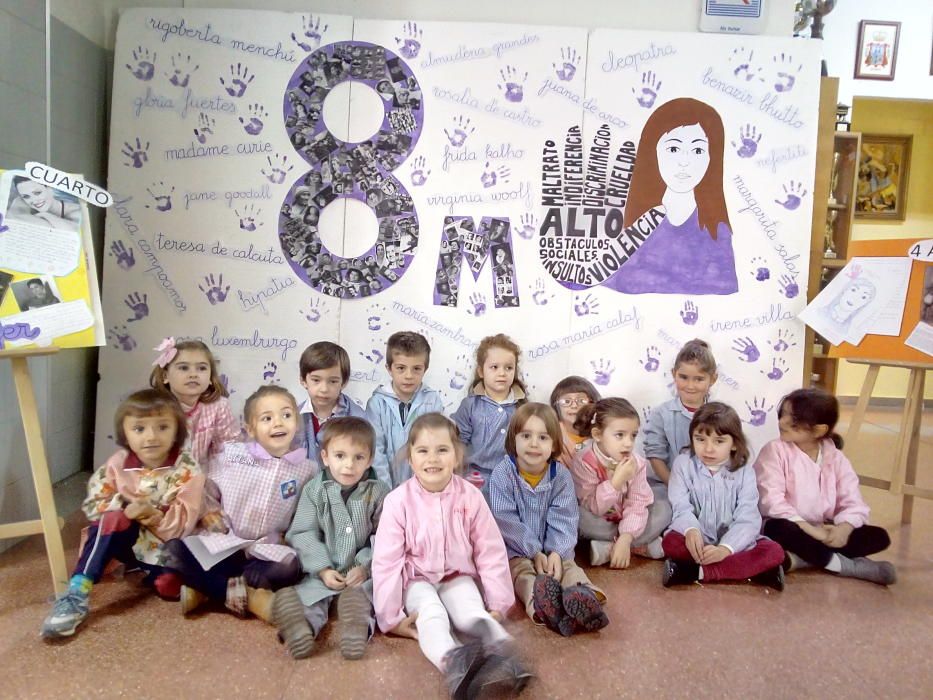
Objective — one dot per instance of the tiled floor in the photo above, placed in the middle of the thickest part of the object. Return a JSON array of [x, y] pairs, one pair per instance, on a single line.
[[823, 637]]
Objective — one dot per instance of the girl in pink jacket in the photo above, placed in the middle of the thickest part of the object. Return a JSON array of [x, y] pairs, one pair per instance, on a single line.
[[436, 540], [611, 484], [809, 493]]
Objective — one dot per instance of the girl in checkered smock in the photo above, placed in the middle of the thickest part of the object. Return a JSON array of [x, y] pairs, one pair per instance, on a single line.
[[255, 485], [188, 371]]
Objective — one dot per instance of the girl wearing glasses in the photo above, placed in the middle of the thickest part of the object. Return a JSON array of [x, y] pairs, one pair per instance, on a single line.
[[569, 396]]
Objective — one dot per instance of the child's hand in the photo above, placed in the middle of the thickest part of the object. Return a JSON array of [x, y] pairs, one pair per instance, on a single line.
[[495, 615], [355, 576], [142, 512], [540, 562], [694, 541], [817, 532], [713, 554], [555, 567], [621, 554], [837, 536], [623, 473], [333, 580], [151, 520], [406, 628], [214, 522]]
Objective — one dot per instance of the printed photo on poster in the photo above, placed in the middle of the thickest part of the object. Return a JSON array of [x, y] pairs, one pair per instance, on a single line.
[[32, 202], [35, 293]]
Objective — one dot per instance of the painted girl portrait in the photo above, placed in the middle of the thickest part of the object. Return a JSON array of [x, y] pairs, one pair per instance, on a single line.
[[679, 171]]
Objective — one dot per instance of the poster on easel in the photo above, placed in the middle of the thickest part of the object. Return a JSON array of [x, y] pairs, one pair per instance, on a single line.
[[48, 282]]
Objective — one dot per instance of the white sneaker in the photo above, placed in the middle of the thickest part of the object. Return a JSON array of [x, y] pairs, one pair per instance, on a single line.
[[600, 551]]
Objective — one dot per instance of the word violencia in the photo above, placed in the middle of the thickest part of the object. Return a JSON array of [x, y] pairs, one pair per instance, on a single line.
[[583, 240]]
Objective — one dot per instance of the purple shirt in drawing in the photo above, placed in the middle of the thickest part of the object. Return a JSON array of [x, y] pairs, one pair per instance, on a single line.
[[680, 260]]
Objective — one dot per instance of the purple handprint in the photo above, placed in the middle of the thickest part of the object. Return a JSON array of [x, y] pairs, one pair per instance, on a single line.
[[760, 272], [793, 193], [138, 156], [758, 411], [314, 312], [419, 171], [277, 169], [744, 69], [248, 217], [652, 360], [540, 296], [602, 371], [124, 256], [269, 371], [239, 80], [311, 33], [785, 340], [479, 305], [778, 369], [569, 60], [458, 379], [789, 286], [690, 314], [748, 351], [138, 304], [225, 380], [461, 130], [750, 138], [161, 196], [181, 70], [786, 74], [215, 292], [375, 356], [526, 227], [491, 176], [3, 227], [255, 124], [512, 86], [145, 64], [409, 44], [648, 93], [205, 127], [121, 338], [584, 306]]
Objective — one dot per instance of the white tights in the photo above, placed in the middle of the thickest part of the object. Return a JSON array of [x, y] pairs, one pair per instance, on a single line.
[[456, 601]]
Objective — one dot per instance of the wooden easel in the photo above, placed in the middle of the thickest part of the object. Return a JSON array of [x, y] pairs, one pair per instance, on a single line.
[[904, 472], [48, 524]]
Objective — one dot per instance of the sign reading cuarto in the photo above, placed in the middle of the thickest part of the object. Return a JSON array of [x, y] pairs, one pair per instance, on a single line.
[[600, 196]]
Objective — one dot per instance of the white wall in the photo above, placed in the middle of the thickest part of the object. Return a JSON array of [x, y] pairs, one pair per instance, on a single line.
[[912, 79]]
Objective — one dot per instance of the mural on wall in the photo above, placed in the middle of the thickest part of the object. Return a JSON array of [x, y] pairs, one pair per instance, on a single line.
[[601, 196]]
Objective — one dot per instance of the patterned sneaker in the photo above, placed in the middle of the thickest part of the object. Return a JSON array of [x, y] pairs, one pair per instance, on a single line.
[[353, 610], [68, 612], [584, 608], [236, 596], [288, 615], [548, 604]]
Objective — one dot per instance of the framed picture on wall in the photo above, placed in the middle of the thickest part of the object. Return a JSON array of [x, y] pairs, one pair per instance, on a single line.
[[883, 172], [876, 50]]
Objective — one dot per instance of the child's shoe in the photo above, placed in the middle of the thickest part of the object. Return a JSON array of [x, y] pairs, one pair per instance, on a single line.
[[288, 615], [168, 585], [460, 667], [881, 572], [678, 572], [794, 563], [652, 550], [502, 672], [67, 613], [191, 599], [773, 578], [600, 552], [353, 610], [259, 602], [236, 601], [584, 609], [549, 604]]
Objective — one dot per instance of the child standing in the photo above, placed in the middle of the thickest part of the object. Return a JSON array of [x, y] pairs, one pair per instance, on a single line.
[[393, 410], [435, 540], [149, 491], [617, 511], [533, 502], [483, 416], [667, 433], [337, 515], [188, 371], [714, 534], [810, 494], [257, 484], [568, 397], [324, 370]]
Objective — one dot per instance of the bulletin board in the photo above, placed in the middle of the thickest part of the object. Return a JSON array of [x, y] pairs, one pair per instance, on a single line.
[[889, 347]]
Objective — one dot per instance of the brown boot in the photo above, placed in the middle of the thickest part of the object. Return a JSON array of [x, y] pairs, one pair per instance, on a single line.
[[353, 609]]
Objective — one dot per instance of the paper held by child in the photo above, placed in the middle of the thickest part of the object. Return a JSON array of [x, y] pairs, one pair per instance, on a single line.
[[867, 296]]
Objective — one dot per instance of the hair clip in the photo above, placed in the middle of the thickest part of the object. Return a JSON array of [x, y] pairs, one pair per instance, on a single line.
[[167, 352]]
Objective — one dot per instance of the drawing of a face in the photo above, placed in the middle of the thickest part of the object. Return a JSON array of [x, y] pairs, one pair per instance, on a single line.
[[38, 197], [683, 157], [855, 296]]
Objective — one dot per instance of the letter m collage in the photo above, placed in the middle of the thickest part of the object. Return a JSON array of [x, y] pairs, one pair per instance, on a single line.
[[462, 245]]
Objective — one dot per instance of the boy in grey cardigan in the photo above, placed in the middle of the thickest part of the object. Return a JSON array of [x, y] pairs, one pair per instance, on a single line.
[[332, 532]]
